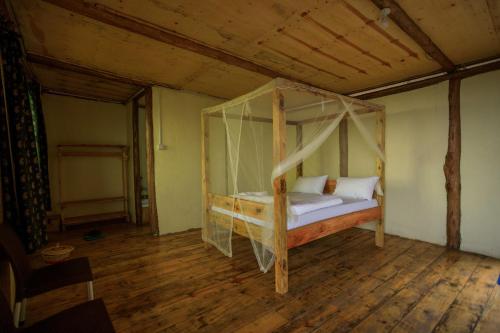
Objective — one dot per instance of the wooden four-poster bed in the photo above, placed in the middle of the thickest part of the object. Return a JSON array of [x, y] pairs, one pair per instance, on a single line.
[[284, 238]]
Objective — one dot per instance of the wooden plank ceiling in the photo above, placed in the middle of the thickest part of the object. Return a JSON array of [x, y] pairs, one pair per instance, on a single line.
[[336, 45]]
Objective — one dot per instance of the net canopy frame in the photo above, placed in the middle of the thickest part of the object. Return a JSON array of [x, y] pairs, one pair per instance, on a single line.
[[306, 106]]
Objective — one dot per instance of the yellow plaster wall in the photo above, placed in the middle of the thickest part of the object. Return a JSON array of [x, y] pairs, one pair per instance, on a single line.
[[177, 169]]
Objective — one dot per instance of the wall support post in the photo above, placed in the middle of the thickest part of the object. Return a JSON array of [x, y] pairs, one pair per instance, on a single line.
[[452, 167], [150, 157]]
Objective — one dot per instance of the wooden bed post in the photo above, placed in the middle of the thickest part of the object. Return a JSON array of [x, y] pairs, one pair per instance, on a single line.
[[204, 175], [452, 168], [300, 166], [343, 148], [279, 190], [380, 124]]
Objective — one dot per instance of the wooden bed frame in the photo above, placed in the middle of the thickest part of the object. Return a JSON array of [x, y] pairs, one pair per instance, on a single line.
[[295, 237], [285, 239]]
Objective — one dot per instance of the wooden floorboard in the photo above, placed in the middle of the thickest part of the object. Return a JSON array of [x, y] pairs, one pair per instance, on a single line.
[[340, 283]]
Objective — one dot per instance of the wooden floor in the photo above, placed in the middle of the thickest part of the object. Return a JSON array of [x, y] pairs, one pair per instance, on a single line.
[[338, 284]]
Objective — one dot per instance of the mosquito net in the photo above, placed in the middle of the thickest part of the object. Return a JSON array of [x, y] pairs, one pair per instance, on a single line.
[[238, 162]]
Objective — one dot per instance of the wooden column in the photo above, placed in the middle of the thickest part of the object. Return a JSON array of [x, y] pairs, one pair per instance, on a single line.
[[452, 167], [279, 189], [150, 156], [136, 162], [300, 166], [380, 228], [205, 180], [343, 148], [125, 179]]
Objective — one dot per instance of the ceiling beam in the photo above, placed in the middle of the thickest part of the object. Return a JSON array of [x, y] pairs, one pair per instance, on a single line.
[[403, 86], [61, 65], [403, 21], [67, 93], [50, 62], [109, 16], [136, 95]]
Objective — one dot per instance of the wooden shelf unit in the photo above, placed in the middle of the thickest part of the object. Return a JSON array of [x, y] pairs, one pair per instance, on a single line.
[[94, 151], [75, 220]]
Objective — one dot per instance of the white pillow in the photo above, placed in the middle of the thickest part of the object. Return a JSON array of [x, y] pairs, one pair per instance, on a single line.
[[310, 184], [356, 188]]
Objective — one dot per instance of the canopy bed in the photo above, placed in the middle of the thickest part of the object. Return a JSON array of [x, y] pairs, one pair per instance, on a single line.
[[237, 173]]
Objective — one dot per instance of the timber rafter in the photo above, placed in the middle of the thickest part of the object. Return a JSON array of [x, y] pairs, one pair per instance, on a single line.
[[421, 82], [109, 16], [403, 20]]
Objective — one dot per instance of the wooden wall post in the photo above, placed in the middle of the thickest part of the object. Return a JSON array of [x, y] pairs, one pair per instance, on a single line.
[[452, 167], [205, 180], [150, 156], [279, 189], [125, 155], [380, 228], [343, 148], [300, 166], [136, 161]]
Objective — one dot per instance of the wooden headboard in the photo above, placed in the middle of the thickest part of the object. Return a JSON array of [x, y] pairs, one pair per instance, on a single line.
[[330, 186]]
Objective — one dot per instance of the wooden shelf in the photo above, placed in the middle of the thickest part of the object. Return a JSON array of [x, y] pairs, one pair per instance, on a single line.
[[91, 154], [90, 146], [75, 220], [97, 200], [99, 151]]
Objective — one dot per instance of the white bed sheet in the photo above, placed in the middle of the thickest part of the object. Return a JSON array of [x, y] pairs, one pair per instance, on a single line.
[[299, 203], [296, 221]]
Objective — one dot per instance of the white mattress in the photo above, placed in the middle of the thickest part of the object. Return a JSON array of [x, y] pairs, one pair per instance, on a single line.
[[348, 206], [295, 221]]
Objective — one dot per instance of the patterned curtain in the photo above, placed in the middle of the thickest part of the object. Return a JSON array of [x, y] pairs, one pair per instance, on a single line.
[[23, 150], [41, 139]]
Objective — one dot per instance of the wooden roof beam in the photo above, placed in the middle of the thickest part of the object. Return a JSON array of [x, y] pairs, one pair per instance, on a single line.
[[109, 16], [67, 93], [402, 86], [403, 21], [58, 64]]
